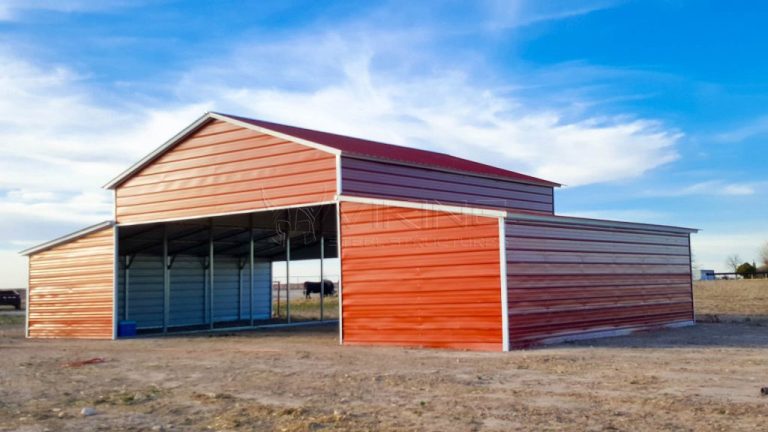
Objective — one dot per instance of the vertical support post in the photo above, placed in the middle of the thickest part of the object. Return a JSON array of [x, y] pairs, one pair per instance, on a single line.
[[341, 272], [250, 273], [166, 281], [288, 276], [504, 291], [322, 276], [210, 276], [239, 289]]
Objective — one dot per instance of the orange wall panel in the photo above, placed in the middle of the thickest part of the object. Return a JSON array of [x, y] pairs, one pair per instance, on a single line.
[[71, 288], [420, 278], [223, 168]]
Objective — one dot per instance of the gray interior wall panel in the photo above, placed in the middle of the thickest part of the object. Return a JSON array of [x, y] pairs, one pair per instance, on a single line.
[[225, 291], [261, 290], [187, 306], [188, 279], [145, 305]]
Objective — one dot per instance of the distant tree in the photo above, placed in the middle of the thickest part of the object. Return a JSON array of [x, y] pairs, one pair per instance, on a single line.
[[733, 262], [746, 270]]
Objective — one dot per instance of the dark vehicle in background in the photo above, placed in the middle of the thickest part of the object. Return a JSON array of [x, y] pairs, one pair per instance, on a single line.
[[9, 297]]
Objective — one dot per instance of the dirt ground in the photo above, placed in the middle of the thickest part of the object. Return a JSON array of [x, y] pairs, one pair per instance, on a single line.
[[701, 378]]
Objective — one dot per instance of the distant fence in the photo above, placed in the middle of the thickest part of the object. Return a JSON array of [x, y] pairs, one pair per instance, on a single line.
[[733, 275]]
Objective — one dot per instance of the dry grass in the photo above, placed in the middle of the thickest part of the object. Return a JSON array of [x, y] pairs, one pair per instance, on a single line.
[[732, 298]]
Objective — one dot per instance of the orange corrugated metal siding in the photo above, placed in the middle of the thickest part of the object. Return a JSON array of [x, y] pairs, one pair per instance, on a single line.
[[396, 181], [224, 168], [420, 278], [567, 281], [71, 288]]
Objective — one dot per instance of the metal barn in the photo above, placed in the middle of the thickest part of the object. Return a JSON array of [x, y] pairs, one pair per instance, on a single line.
[[434, 250]]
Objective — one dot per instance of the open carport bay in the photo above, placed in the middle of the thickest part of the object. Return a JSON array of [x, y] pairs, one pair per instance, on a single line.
[[218, 272]]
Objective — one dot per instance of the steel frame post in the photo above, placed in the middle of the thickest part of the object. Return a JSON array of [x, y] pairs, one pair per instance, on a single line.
[[166, 281], [210, 276], [250, 278], [322, 276], [288, 276]]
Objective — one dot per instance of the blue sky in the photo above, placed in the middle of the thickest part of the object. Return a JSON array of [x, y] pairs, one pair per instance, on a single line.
[[651, 111]]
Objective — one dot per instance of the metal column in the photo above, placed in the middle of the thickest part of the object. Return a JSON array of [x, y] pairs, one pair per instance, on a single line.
[[166, 282], [322, 276], [128, 262], [210, 275], [250, 272], [288, 276]]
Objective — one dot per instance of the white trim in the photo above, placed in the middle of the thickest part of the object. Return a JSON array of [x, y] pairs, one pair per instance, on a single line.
[[63, 239], [115, 281], [341, 271], [424, 206], [256, 210], [504, 292], [570, 220], [338, 174], [146, 160], [287, 137]]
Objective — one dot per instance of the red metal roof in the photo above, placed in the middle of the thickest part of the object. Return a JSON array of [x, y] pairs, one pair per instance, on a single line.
[[366, 148]]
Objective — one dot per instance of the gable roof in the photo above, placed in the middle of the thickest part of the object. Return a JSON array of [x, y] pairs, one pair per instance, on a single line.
[[343, 145]]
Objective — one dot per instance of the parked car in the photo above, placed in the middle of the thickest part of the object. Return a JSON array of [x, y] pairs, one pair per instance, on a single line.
[[12, 298]]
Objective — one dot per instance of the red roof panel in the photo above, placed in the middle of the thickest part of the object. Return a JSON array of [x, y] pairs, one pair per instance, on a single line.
[[361, 147]]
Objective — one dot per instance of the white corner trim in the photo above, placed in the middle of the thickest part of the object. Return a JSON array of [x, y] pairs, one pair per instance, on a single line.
[[341, 272], [115, 280], [281, 135], [338, 174], [504, 287], [424, 206]]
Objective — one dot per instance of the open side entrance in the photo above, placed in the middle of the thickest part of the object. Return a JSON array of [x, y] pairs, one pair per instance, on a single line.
[[213, 273]]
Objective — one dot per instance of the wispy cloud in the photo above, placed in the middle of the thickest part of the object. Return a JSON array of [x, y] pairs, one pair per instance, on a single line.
[[754, 128], [13, 10], [505, 14], [711, 188], [629, 215]]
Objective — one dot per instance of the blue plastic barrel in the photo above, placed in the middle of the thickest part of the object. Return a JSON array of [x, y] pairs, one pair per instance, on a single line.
[[126, 328]]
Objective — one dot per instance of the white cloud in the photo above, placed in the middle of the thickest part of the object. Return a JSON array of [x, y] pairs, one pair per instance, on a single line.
[[711, 188]]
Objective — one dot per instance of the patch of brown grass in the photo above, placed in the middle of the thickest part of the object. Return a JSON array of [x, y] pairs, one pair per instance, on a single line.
[[748, 298]]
